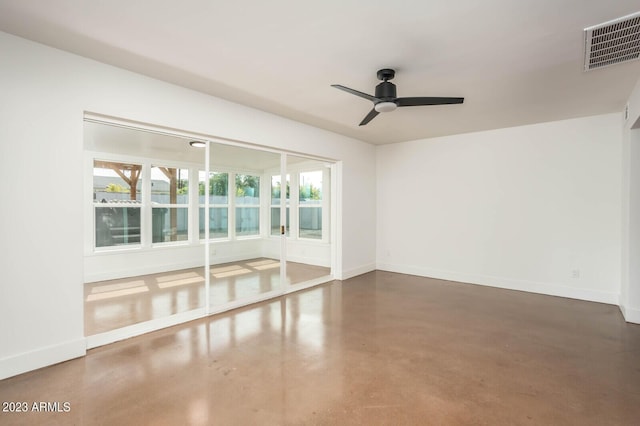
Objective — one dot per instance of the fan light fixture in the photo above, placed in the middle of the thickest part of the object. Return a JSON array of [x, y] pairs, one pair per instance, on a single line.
[[385, 106], [386, 98], [197, 144]]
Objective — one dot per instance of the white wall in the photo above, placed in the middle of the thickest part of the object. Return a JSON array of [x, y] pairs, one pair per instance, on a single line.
[[44, 95], [630, 230], [519, 208]]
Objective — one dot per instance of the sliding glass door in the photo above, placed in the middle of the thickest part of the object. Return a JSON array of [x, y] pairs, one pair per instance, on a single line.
[[179, 227], [244, 263], [143, 262], [308, 243]]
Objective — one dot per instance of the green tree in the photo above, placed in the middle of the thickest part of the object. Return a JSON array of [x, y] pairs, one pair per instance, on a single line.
[[310, 192], [218, 184], [183, 187], [246, 184], [276, 188], [315, 193]]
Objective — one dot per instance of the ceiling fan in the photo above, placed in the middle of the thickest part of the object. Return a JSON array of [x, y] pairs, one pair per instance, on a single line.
[[385, 99]]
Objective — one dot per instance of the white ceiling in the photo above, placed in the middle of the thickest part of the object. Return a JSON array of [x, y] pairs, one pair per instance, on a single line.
[[515, 62], [103, 138]]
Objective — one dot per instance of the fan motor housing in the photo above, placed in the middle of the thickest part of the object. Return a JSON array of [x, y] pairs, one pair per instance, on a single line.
[[386, 90]]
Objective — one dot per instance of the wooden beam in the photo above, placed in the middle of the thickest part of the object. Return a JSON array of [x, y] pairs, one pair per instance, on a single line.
[[120, 169]]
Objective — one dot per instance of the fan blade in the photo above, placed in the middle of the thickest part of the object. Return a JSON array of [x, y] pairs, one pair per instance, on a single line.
[[372, 114], [403, 102], [354, 92]]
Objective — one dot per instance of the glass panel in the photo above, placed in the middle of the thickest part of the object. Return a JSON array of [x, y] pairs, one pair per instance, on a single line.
[[254, 270], [308, 250], [275, 201], [112, 181], [169, 224], [219, 188], [276, 188], [218, 204], [247, 221], [310, 188], [247, 190], [311, 222], [169, 185], [117, 226], [169, 188], [310, 205], [248, 197], [116, 294], [275, 221], [218, 222]]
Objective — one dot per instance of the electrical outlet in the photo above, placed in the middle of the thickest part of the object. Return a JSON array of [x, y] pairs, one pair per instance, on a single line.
[[575, 273]]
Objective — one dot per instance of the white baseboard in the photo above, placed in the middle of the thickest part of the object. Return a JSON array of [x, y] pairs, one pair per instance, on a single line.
[[43, 357], [630, 315], [354, 272], [550, 289]]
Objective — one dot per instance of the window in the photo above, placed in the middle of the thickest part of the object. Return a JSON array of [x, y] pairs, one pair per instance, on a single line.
[[117, 203], [170, 204], [166, 212], [275, 204], [310, 205], [218, 220], [247, 205]]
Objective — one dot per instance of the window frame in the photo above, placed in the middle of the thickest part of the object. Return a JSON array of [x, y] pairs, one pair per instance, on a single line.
[[237, 206], [193, 206], [293, 205], [213, 170], [186, 206], [322, 205], [272, 206], [95, 204], [232, 204], [144, 203]]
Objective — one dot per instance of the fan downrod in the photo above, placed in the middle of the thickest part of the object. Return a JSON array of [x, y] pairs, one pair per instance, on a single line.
[[386, 74]]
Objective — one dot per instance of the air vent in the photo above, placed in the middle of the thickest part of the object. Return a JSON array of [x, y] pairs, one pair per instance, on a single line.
[[612, 42]]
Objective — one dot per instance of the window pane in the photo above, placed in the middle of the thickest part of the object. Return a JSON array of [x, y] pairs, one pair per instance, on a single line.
[[218, 199], [247, 190], [311, 188], [218, 222], [275, 190], [117, 226], [275, 221], [218, 187], [169, 185], [247, 221], [311, 222], [112, 181], [170, 224]]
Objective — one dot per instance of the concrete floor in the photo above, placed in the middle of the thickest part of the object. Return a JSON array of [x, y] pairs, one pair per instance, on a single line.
[[381, 348]]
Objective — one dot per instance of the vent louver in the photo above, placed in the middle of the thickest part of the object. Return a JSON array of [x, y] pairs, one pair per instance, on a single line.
[[612, 42]]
